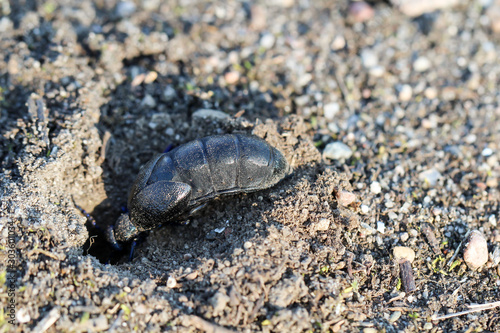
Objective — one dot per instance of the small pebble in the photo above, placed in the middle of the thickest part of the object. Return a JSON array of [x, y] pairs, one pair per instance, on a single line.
[[210, 114], [369, 58], [393, 216], [232, 77], [330, 110], [338, 43], [495, 256], [430, 177], [487, 152], [475, 250], [395, 316], [421, 64], [492, 220], [404, 237], [375, 188], [267, 40], [150, 77], [380, 227], [169, 94], [430, 93], [370, 330], [360, 11], [171, 282], [377, 71], [323, 225], [188, 256], [23, 316], [247, 245], [345, 198], [148, 101], [302, 100], [405, 93], [337, 151], [125, 9], [365, 209], [428, 326], [403, 252]]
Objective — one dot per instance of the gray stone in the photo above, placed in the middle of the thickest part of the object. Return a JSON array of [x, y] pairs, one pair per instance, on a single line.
[[430, 176], [337, 151], [210, 114]]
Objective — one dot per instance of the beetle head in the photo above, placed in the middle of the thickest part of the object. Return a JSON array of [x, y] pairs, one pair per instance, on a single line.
[[124, 229]]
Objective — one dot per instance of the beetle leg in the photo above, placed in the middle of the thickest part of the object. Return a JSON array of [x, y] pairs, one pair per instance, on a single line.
[[110, 236], [89, 217]]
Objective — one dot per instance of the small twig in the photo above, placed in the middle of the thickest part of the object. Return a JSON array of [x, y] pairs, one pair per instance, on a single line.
[[116, 324], [397, 298], [47, 321], [407, 278], [46, 253], [104, 147], [431, 238], [472, 308], [452, 259], [342, 86], [206, 326]]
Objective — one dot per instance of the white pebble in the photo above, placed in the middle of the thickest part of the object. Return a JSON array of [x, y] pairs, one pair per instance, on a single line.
[[365, 209], [380, 227], [375, 188], [323, 224], [405, 209], [405, 93], [337, 151], [395, 316], [377, 71], [247, 245], [430, 176], [421, 64], [492, 219], [23, 316], [171, 282], [338, 43], [267, 40], [430, 93], [487, 152], [475, 250], [330, 110], [428, 326], [404, 237], [369, 58]]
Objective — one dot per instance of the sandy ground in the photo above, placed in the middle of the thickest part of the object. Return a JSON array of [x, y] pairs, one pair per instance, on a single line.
[[91, 90]]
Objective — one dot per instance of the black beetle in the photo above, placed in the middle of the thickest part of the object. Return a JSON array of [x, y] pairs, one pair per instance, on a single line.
[[174, 185]]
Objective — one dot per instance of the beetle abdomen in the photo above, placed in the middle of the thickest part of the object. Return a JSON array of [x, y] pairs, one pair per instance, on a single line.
[[218, 165]]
